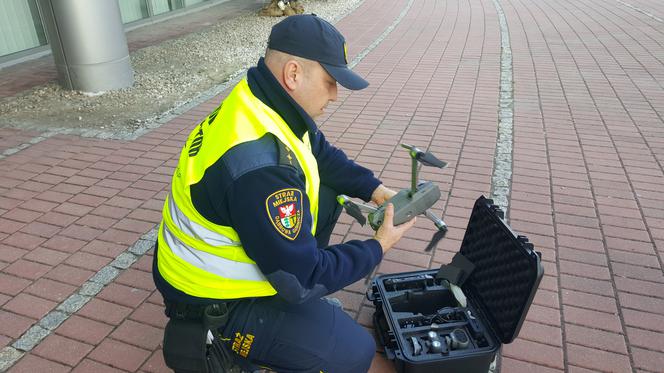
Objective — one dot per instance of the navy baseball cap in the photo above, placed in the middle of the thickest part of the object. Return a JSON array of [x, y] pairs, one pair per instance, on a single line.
[[311, 37]]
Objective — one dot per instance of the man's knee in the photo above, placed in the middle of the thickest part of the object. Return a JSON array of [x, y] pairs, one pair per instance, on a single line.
[[355, 350], [366, 349]]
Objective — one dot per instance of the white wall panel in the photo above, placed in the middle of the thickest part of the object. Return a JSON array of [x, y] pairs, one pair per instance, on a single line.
[[132, 10], [160, 6], [17, 28], [192, 2]]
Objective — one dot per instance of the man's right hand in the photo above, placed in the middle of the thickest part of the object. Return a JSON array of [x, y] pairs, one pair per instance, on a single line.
[[388, 235]]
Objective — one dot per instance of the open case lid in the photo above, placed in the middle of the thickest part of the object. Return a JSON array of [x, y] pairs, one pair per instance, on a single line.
[[507, 271]]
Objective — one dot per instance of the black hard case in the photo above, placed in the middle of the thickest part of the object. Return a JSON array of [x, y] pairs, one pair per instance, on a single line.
[[499, 290]]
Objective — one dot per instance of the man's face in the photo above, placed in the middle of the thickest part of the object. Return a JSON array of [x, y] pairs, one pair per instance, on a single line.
[[316, 91]]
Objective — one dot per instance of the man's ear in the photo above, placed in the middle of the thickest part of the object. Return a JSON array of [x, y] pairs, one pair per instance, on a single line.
[[293, 74]]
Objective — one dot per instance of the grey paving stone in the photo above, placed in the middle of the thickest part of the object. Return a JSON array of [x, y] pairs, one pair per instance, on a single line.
[[124, 260], [91, 289], [105, 275], [141, 247], [8, 356], [73, 303], [53, 320], [31, 338]]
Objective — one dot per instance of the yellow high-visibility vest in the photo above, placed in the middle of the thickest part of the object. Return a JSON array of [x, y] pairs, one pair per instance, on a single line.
[[204, 259]]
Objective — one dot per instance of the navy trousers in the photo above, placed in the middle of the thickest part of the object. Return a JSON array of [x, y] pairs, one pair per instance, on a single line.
[[316, 336], [312, 337]]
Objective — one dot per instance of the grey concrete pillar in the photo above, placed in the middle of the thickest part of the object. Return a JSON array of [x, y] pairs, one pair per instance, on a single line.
[[89, 44]]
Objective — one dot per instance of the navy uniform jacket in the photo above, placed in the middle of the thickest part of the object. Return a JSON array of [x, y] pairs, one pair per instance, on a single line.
[[297, 269]]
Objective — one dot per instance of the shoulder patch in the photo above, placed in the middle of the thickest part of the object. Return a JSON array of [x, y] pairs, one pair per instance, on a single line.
[[287, 158], [284, 209]]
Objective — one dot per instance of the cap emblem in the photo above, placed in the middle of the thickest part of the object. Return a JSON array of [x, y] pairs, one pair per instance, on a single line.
[[345, 53]]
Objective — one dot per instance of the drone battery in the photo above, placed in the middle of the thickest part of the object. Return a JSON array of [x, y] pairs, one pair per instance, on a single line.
[[419, 322]]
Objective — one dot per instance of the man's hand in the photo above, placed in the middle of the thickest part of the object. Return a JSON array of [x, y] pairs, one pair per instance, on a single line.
[[388, 235], [381, 194]]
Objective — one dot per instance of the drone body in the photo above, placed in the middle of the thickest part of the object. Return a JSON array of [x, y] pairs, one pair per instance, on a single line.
[[408, 203]]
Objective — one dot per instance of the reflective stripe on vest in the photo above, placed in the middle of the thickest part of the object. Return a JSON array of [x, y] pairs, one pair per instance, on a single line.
[[192, 229], [211, 263]]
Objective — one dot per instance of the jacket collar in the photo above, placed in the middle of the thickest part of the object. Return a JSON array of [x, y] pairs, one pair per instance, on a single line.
[[266, 87]]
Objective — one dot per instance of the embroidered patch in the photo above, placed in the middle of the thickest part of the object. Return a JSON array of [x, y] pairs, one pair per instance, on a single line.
[[284, 207], [242, 344]]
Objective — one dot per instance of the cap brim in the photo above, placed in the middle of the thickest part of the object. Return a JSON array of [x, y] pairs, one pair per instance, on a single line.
[[346, 77]]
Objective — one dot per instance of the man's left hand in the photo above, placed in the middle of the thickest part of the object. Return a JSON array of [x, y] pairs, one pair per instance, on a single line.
[[381, 194]]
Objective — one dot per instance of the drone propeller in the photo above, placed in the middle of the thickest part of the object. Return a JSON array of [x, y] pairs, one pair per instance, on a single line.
[[440, 234], [425, 158], [431, 160], [352, 209]]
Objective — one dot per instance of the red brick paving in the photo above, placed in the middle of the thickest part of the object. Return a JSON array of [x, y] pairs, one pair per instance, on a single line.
[[34, 363], [587, 173], [84, 330], [583, 145], [91, 366], [104, 311], [119, 355], [13, 325], [63, 350]]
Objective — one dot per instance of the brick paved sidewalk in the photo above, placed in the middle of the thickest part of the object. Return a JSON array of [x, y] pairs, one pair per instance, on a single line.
[[584, 89]]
